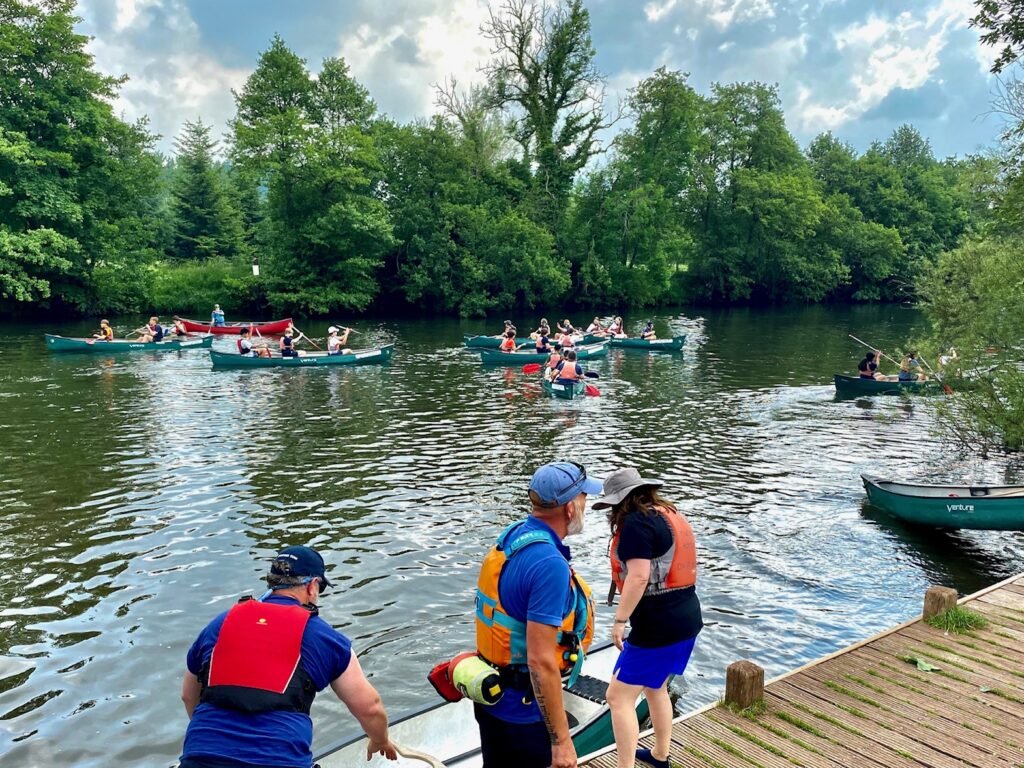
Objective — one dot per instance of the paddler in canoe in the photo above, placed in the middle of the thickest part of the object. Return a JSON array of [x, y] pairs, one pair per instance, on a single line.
[[648, 334], [543, 330], [867, 368], [105, 333], [247, 349], [554, 358], [288, 342], [595, 326], [335, 343], [217, 317], [567, 370], [910, 369], [564, 339], [508, 344], [179, 328], [543, 344], [616, 328], [152, 331]]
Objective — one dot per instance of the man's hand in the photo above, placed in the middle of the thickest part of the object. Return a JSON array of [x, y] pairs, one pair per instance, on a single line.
[[563, 755], [385, 748]]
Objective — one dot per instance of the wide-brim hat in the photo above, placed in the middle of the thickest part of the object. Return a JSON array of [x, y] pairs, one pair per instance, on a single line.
[[619, 484]]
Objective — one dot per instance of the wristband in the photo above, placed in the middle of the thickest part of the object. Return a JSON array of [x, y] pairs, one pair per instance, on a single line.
[[621, 621]]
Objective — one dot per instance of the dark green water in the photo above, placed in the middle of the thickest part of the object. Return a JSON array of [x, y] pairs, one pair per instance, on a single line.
[[142, 494]]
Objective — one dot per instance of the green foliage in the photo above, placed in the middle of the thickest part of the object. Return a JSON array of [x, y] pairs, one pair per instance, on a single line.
[[191, 287], [1003, 24]]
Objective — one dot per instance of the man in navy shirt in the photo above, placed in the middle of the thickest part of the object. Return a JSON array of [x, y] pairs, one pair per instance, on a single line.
[[254, 670], [527, 577]]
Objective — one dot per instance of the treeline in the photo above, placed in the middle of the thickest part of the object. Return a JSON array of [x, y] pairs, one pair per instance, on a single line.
[[504, 201]]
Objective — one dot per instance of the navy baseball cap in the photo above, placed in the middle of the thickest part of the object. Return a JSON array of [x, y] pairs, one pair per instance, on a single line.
[[300, 561], [559, 482]]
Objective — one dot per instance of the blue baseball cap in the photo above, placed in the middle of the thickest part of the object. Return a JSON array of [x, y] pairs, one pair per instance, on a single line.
[[559, 482], [300, 561]]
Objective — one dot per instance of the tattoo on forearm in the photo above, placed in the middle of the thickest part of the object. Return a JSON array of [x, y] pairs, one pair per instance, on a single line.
[[542, 705]]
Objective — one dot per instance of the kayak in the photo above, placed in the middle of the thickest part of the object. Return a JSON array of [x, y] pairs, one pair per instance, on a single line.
[[308, 360], [657, 345], [564, 391], [854, 385], [978, 507], [66, 344], [274, 327], [495, 356], [448, 731]]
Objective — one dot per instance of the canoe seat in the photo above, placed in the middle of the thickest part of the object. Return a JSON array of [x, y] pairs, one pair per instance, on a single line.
[[591, 689], [979, 491]]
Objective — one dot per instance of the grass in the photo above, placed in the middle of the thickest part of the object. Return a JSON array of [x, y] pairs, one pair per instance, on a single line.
[[753, 712], [957, 620]]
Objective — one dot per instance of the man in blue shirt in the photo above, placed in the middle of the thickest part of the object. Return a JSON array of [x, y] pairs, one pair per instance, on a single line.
[[254, 670], [527, 577], [217, 316]]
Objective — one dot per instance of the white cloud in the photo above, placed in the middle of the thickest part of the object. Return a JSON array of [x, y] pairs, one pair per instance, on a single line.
[[722, 12]]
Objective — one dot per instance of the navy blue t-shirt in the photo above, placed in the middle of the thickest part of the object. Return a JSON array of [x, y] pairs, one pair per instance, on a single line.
[[534, 586], [657, 620], [269, 738]]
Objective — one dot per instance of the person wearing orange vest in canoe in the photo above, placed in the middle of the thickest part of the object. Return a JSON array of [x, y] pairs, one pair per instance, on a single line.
[[534, 623], [568, 371], [654, 567], [508, 343], [554, 358], [254, 670], [105, 333]]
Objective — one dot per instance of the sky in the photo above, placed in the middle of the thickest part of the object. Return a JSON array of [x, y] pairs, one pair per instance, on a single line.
[[858, 68]]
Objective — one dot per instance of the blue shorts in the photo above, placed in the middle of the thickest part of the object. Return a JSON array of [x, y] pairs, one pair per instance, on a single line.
[[651, 667]]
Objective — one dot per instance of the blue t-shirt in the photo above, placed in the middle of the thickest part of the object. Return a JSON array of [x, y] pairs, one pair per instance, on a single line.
[[217, 318], [269, 738], [534, 586]]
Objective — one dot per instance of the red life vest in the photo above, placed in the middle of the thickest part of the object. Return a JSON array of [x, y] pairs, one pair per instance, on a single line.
[[240, 350], [676, 569], [554, 360], [256, 664]]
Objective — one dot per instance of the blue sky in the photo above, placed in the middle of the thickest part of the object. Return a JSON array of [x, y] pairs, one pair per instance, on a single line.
[[859, 68]]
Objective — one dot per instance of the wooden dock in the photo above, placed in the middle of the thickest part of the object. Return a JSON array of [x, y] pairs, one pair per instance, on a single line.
[[910, 697]]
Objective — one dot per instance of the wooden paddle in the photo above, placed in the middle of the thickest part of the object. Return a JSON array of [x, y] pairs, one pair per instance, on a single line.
[[873, 349], [412, 754], [1010, 492], [945, 387], [304, 336]]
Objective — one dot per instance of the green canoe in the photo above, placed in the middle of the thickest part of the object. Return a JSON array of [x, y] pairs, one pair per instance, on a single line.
[[309, 360], [658, 345], [449, 733], [856, 386], [519, 357], [564, 391], [65, 344], [979, 507]]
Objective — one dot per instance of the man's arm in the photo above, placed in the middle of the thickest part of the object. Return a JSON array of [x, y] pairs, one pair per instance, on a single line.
[[542, 658], [190, 690], [363, 701]]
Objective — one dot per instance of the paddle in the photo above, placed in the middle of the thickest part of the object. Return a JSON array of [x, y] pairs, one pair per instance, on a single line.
[[412, 754], [591, 390], [945, 387], [304, 336], [874, 349]]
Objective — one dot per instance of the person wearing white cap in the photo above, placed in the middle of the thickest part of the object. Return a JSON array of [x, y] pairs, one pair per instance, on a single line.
[[654, 566], [335, 343]]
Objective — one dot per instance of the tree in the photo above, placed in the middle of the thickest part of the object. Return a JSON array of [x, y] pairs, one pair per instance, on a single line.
[[206, 222], [1003, 24], [543, 72]]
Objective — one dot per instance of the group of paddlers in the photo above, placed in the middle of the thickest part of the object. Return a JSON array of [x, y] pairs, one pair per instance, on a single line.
[[152, 331], [909, 367], [286, 345]]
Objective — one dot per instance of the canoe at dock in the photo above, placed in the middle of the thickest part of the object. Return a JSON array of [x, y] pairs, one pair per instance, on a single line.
[[978, 507], [854, 386], [657, 345], [67, 344], [497, 357], [564, 391], [309, 360], [448, 731], [271, 328]]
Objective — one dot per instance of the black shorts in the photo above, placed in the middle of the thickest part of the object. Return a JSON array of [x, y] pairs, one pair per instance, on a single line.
[[512, 745]]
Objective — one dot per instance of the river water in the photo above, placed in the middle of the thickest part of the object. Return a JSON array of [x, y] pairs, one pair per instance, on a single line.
[[142, 494]]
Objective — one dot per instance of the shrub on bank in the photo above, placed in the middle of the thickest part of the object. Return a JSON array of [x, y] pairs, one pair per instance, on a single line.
[[193, 287]]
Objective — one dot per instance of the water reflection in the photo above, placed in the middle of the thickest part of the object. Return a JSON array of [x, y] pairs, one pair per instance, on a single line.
[[143, 494]]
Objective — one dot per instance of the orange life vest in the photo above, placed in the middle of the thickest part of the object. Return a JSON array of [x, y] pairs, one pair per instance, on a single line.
[[553, 360], [567, 370], [676, 569], [107, 332], [507, 344], [566, 341], [500, 638]]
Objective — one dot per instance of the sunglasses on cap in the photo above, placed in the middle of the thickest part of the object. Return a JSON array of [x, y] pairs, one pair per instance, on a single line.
[[579, 481]]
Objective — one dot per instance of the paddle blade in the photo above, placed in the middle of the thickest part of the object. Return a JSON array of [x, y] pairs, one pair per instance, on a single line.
[[592, 391], [592, 374], [531, 368], [947, 389]]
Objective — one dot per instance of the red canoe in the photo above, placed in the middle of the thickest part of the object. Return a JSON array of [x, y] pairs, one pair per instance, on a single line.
[[271, 328]]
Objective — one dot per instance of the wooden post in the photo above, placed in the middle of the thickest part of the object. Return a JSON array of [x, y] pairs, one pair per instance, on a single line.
[[938, 600], [744, 684]]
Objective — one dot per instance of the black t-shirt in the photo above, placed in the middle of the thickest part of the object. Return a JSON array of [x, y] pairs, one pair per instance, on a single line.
[[867, 366], [658, 620]]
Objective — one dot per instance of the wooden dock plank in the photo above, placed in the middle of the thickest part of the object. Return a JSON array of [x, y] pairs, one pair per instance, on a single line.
[[868, 707]]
